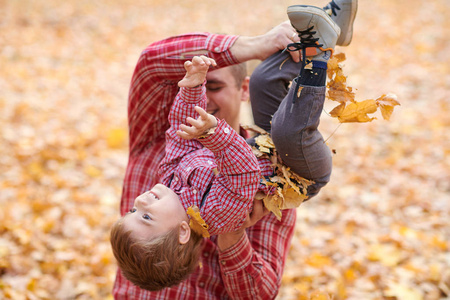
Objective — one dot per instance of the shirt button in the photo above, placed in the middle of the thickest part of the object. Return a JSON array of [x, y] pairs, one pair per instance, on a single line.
[[201, 284], [223, 262], [217, 49], [176, 178], [194, 191], [226, 130], [209, 162], [188, 169]]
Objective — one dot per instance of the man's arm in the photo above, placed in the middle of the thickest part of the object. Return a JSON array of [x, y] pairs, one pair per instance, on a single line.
[[261, 47], [161, 66], [252, 260]]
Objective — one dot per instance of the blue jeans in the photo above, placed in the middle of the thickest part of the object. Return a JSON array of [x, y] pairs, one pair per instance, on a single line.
[[293, 126]]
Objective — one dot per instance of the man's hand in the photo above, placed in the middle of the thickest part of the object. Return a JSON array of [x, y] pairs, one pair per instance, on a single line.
[[226, 240], [198, 127], [262, 46]]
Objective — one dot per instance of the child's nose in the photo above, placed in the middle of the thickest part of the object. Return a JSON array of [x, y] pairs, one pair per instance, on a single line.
[[141, 201]]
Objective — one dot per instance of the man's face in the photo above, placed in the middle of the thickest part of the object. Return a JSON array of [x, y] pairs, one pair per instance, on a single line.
[[224, 97]]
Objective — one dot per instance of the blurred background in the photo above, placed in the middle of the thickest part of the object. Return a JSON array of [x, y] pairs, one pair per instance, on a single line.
[[379, 230]]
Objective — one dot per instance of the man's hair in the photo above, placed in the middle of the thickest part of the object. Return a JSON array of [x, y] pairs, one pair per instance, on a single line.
[[156, 263], [239, 73]]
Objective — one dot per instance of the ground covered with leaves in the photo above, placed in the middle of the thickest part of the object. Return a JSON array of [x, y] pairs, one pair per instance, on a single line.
[[379, 230]]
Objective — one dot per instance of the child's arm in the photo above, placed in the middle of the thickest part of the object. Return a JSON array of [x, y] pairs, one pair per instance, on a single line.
[[196, 71], [234, 186], [199, 127], [190, 98]]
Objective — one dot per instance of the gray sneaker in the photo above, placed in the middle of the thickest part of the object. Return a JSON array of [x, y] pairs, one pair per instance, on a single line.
[[317, 31], [343, 12]]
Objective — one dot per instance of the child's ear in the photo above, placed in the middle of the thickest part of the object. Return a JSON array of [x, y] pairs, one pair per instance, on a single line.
[[185, 232]]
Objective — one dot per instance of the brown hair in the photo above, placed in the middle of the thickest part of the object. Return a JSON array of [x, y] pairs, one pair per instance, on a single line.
[[239, 73], [157, 263]]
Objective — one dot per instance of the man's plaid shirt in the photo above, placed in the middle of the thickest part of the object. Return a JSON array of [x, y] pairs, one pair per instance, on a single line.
[[250, 269]]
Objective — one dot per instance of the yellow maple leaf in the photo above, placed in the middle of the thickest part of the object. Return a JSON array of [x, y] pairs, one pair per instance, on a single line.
[[386, 104], [196, 222], [340, 92], [338, 110], [333, 64], [357, 112]]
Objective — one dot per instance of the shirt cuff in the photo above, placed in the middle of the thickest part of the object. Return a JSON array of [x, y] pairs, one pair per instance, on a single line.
[[221, 44], [221, 139], [237, 257], [193, 95]]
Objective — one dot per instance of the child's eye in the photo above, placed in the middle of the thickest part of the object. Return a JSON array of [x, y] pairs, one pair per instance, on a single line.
[[132, 210], [147, 217]]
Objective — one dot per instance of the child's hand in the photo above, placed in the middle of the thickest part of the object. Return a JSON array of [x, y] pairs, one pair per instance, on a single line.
[[196, 71], [203, 123]]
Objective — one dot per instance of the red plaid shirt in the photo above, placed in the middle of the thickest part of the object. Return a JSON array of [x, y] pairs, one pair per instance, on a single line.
[[250, 269], [188, 167]]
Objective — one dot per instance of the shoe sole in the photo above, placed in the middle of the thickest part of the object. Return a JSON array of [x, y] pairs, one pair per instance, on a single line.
[[314, 11], [349, 34]]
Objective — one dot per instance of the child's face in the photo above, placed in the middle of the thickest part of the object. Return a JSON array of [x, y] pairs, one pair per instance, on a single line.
[[155, 212]]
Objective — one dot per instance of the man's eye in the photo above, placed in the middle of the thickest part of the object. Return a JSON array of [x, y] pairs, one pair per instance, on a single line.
[[132, 210], [147, 217], [213, 88]]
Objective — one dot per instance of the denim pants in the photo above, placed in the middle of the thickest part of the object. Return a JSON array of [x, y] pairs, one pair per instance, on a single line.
[[292, 122]]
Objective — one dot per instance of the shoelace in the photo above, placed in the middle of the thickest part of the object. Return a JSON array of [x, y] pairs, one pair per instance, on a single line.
[[333, 6], [306, 40]]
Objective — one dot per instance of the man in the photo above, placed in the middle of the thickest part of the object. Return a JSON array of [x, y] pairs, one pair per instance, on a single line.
[[246, 264], [230, 263]]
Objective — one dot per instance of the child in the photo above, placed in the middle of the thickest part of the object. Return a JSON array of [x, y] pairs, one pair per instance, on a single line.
[[154, 245]]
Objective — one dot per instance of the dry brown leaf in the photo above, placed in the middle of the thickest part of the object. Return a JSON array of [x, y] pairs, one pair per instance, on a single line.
[[273, 204], [291, 189], [386, 104]]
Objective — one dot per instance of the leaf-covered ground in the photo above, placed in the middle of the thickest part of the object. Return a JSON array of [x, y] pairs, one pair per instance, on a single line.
[[379, 230]]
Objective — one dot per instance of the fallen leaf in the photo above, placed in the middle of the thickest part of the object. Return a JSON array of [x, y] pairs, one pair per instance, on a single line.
[[402, 291], [387, 103], [357, 112], [196, 222]]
